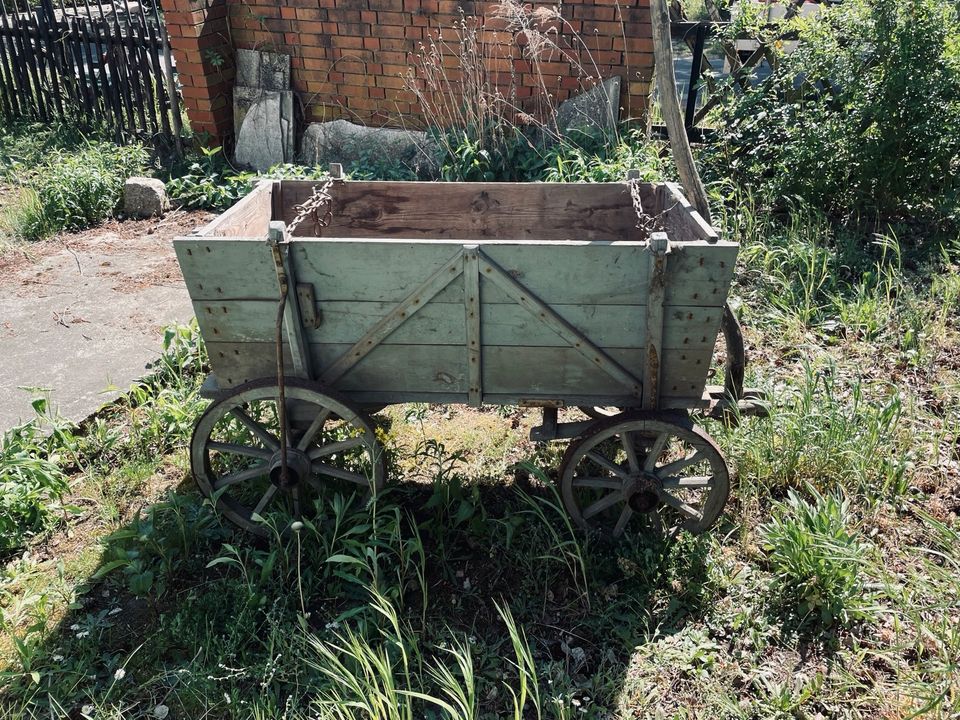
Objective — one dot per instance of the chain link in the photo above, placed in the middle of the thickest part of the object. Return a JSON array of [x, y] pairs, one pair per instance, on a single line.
[[310, 208]]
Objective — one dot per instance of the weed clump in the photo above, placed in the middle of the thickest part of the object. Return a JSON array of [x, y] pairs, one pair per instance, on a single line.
[[816, 559], [32, 482], [73, 190]]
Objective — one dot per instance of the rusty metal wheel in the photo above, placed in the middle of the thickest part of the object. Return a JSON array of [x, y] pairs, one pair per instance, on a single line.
[[636, 465], [236, 460]]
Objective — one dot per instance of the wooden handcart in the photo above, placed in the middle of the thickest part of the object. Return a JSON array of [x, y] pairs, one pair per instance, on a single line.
[[322, 303]]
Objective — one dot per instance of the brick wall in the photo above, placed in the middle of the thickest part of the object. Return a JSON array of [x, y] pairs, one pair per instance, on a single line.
[[349, 57]]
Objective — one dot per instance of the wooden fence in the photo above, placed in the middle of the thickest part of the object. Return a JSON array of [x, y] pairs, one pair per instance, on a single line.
[[101, 64]]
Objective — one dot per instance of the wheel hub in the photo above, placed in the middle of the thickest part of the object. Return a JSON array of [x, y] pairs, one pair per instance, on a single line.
[[644, 497], [298, 469]]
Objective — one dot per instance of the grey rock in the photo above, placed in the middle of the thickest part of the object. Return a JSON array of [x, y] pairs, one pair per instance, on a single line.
[[264, 119], [144, 197], [270, 71], [597, 109], [345, 142]]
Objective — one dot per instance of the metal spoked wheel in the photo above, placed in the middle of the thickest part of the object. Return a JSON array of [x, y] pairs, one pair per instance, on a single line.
[[235, 453], [634, 465]]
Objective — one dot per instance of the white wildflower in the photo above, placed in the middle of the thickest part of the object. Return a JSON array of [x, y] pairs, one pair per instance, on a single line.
[[120, 674], [161, 711], [57, 658], [88, 710]]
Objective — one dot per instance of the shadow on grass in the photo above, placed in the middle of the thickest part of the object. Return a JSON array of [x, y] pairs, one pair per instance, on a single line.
[[182, 614]]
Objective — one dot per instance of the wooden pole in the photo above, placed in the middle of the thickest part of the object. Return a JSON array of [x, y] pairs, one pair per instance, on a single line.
[[670, 108]]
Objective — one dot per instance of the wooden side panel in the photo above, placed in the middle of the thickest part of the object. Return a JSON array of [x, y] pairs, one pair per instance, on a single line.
[[249, 217], [597, 287], [443, 324], [680, 219], [548, 373], [475, 211], [362, 270]]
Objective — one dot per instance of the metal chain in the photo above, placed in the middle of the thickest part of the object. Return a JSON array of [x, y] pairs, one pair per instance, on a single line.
[[646, 222], [320, 198]]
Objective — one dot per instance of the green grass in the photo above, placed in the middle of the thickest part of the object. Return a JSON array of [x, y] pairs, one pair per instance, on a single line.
[[60, 179], [830, 588]]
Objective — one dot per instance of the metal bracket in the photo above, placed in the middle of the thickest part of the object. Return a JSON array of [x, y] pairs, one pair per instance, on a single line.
[[311, 315]]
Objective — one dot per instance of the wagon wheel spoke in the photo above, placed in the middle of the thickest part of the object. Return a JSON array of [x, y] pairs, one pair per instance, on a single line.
[[656, 451], [266, 437], [235, 449], [622, 521], [608, 465], [677, 465], [681, 483], [598, 483], [692, 489], [264, 500], [296, 499], [241, 476], [679, 505], [335, 447], [339, 473], [314, 428], [602, 504], [631, 451]]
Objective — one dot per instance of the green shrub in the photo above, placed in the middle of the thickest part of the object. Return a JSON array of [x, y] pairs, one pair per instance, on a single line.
[[595, 157], [210, 183], [74, 189], [31, 481], [861, 118], [816, 559]]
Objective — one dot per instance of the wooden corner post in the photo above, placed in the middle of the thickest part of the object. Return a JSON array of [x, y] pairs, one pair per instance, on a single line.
[[659, 247]]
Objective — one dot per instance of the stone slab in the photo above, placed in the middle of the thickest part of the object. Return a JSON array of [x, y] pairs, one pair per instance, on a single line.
[[597, 109]]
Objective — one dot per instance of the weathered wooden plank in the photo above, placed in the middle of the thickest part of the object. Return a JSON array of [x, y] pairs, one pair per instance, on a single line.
[[227, 268], [361, 270], [467, 211], [212, 389], [443, 324], [574, 338], [422, 295], [519, 371], [658, 247], [249, 217], [472, 312], [680, 219]]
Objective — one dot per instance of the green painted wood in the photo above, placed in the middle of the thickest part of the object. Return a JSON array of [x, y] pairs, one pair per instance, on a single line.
[[443, 324], [396, 317], [550, 372], [383, 271], [472, 324], [574, 338]]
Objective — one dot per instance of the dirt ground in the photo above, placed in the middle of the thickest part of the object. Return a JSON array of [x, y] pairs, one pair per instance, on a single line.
[[82, 315]]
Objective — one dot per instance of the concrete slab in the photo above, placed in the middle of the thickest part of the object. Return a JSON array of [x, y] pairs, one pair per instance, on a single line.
[[82, 316]]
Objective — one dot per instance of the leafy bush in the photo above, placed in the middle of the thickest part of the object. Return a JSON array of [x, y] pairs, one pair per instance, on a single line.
[[593, 157], [210, 183], [860, 118], [815, 559], [73, 189], [31, 481]]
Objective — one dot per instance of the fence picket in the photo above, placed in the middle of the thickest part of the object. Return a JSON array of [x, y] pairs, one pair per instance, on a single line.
[[90, 66]]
